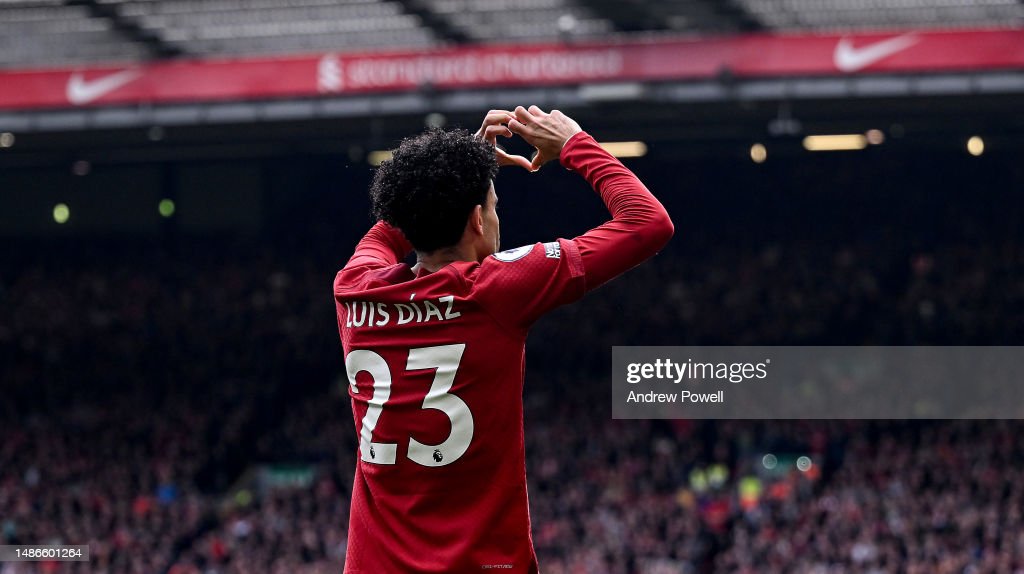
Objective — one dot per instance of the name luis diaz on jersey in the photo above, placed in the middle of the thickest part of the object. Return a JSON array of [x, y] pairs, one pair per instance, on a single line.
[[379, 314]]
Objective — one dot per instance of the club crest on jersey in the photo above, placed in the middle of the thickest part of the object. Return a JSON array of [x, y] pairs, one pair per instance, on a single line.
[[552, 250], [510, 255]]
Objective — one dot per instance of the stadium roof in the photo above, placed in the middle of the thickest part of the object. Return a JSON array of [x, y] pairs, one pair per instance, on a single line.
[[43, 33]]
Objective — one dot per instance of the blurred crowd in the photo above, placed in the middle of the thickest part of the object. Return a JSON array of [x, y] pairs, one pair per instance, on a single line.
[[929, 497], [143, 391], [129, 389], [118, 478]]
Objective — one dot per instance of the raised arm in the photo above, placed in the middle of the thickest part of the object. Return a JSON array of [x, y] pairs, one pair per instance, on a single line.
[[382, 245], [639, 227]]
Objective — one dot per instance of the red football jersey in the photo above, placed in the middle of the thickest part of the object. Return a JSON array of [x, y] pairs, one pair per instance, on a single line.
[[435, 368]]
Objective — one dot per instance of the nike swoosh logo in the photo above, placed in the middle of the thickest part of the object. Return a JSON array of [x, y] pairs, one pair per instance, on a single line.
[[80, 91], [850, 59]]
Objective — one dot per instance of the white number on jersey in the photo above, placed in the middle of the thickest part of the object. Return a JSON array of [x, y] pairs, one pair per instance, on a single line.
[[445, 359]]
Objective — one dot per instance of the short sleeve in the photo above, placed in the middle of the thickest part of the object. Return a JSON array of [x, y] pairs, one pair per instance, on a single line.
[[519, 285]]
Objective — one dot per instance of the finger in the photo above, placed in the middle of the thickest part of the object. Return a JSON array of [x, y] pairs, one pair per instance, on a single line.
[[520, 128], [538, 160], [495, 117], [537, 111], [518, 160], [492, 132], [523, 116]]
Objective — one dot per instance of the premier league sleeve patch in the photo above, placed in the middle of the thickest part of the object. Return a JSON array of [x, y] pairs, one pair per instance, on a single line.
[[510, 255]]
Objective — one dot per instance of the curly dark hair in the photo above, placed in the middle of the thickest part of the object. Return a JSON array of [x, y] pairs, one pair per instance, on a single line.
[[431, 184]]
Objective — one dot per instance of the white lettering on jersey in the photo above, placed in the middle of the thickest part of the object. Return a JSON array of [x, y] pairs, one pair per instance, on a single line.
[[450, 300], [379, 314], [405, 313], [553, 250], [382, 309], [432, 311]]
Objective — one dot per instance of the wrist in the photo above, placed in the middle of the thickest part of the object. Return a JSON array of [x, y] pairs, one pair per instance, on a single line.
[[569, 145]]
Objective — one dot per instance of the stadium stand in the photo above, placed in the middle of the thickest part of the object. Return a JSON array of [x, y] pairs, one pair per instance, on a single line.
[[147, 382], [229, 27], [520, 20], [839, 15], [46, 33]]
